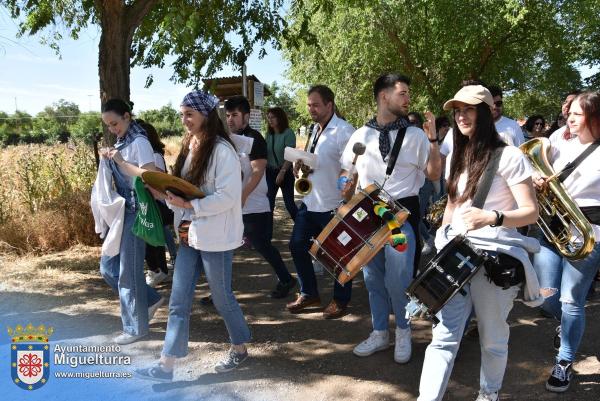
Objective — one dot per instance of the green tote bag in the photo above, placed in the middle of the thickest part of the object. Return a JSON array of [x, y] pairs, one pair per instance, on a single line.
[[148, 223]]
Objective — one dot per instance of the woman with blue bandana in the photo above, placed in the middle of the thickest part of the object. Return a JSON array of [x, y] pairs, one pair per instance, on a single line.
[[207, 159], [124, 272]]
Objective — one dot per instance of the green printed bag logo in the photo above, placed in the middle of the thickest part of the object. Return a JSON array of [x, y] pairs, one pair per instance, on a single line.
[[148, 223], [30, 356]]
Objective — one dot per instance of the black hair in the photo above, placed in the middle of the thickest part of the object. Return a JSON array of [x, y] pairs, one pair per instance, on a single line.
[[387, 81], [153, 137], [282, 120], [573, 92], [468, 82], [472, 154], [117, 106], [530, 123], [418, 117], [324, 91], [441, 120], [495, 90], [239, 103]]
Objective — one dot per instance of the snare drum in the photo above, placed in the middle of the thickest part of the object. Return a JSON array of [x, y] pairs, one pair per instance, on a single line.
[[355, 234], [444, 276]]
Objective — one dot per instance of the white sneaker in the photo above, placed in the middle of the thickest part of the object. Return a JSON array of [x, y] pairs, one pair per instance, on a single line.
[[153, 278], [125, 338], [378, 341], [487, 396], [403, 347], [153, 308]]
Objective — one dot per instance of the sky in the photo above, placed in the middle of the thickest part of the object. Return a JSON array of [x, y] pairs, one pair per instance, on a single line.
[[32, 76]]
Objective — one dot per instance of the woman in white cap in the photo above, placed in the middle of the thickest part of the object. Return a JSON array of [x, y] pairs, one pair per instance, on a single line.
[[510, 203], [207, 159]]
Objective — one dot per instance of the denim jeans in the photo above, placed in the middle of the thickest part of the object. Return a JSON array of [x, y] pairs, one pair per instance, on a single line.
[[309, 225], [258, 227], [217, 267], [170, 242], [287, 190], [492, 305], [571, 280], [387, 276], [124, 273]]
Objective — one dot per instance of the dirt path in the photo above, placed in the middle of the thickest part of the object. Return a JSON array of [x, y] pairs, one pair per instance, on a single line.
[[294, 357]]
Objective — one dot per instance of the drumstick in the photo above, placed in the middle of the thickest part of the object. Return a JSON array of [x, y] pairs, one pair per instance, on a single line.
[[358, 149]]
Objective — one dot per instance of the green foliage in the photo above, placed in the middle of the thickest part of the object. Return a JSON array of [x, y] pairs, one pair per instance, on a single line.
[[166, 120], [292, 99], [520, 46]]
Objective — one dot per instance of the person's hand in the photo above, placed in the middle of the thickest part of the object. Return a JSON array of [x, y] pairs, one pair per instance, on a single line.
[[475, 218], [297, 167], [178, 201], [429, 126], [104, 152], [539, 182], [280, 177], [156, 194], [116, 156]]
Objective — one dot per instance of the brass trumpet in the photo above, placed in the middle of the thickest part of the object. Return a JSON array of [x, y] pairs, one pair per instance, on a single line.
[[561, 220]]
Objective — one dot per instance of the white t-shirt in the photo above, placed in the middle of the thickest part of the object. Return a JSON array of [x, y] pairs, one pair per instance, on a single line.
[[513, 169], [325, 196], [159, 162], [139, 153], [583, 184], [408, 174], [257, 201]]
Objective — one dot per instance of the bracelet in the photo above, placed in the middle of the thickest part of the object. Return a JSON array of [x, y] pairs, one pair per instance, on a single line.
[[499, 219], [432, 140]]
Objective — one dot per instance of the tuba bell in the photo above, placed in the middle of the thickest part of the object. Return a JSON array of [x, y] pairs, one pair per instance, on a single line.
[[560, 219], [303, 185]]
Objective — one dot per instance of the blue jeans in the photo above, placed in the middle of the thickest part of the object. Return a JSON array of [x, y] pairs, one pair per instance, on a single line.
[[124, 273], [287, 190], [309, 225], [571, 280], [387, 276], [170, 242], [258, 227], [217, 267], [492, 305]]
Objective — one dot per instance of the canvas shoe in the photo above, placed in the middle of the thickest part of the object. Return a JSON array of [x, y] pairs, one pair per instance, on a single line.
[[155, 278], [155, 373], [560, 378], [403, 347], [126, 338], [153, 308], [483, 396], [378, 341], [232, 360]]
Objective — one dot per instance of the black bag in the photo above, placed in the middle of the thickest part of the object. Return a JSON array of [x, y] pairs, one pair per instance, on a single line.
[[504, 270]]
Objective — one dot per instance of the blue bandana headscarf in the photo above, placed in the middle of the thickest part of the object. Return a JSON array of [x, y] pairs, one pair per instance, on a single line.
[[200, 101]]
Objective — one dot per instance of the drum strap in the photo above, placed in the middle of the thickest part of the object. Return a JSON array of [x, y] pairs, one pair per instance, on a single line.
[[486, 180], [395, 151]]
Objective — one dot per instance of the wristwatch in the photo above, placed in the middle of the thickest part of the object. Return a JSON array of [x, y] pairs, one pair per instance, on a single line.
[[499, 218]]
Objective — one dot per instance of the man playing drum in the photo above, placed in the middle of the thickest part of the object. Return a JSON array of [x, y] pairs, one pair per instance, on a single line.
[[389, 273]]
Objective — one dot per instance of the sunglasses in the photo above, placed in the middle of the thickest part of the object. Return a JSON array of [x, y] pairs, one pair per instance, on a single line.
[[540, 124], [499, 103]]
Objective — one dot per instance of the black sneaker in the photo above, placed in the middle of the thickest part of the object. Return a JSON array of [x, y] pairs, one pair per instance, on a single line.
[[231, 361], [560, 378], [556, 339], [155, 373], [282, 289]]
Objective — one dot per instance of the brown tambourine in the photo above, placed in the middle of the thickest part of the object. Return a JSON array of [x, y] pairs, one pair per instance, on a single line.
[[163, 182]]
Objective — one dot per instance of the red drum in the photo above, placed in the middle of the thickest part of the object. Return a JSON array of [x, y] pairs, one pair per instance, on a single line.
[[355, 234]]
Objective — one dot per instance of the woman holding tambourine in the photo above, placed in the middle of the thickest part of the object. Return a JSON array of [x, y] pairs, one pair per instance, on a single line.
[[566, 282], [510, 203], [209, 161]]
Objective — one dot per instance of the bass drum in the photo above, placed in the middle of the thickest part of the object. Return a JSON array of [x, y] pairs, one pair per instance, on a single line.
[[355, 234]]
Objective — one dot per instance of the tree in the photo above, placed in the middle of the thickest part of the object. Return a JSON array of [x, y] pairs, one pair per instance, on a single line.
[[166, 120], [518, 45], [145, 32]]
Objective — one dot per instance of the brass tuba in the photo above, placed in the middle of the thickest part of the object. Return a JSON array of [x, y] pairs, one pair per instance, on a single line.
[[561, 220], [303, 185]]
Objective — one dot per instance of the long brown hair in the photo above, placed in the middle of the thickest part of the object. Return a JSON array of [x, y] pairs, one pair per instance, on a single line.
[[590, 105], [282, 120], [212, 129], [472, 154]]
